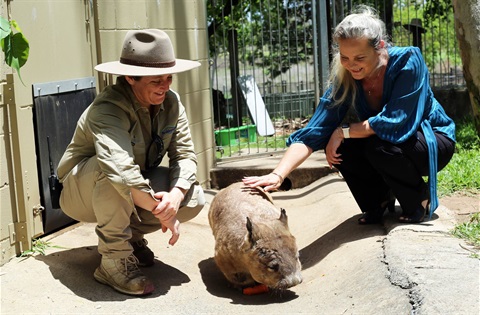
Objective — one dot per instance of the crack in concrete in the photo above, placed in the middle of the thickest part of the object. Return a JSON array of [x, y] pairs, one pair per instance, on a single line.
[[400, 279]]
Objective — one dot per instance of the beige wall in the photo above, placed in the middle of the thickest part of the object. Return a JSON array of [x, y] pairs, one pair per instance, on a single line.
[[57, 35], [62, 37]]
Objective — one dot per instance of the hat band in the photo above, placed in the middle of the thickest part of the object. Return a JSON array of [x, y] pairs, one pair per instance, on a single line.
[[147, 64]]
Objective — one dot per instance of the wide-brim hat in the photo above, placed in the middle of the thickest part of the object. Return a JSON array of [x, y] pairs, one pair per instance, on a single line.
[[146, 53], [415, 26]]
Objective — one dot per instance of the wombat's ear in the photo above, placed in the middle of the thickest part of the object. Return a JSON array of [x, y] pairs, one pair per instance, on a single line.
[[251, 237], [283, 216]]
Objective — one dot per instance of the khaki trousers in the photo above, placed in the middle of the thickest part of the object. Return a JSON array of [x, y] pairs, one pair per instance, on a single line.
[[88, 196]]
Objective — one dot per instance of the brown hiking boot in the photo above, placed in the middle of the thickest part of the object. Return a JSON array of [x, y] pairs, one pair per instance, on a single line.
[[123, 275], [143, 253]]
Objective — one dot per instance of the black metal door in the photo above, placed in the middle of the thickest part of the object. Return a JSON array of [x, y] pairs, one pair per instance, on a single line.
[[55, 116]]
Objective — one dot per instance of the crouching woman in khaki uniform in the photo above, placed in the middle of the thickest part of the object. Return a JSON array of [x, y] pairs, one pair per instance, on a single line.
[[110, 171]]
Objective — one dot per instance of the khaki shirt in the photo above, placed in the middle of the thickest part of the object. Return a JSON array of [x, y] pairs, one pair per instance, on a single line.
[[119, 132]]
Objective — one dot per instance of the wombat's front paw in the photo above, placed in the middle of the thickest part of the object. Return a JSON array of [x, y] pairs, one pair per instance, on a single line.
[[242, 279]]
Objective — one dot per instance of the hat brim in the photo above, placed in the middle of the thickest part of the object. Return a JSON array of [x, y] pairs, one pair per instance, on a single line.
[[117, 68]]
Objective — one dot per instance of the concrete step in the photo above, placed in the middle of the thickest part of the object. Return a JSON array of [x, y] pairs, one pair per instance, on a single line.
[[233, 170]]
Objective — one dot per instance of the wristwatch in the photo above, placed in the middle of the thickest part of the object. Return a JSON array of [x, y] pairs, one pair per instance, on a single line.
[[346, 131]]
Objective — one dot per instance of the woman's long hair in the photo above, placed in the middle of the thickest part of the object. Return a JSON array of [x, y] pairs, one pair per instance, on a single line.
[[363, 23]]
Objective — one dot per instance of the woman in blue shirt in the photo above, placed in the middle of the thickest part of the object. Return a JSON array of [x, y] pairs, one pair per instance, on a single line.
[[378, 123]]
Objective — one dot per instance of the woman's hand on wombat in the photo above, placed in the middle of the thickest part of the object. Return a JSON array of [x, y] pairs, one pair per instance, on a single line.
[[268, 182]]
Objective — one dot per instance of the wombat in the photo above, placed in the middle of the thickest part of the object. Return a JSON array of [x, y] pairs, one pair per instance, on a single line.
[[253, 244]]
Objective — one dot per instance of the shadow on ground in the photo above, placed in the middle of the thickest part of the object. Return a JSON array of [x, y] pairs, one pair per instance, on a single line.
[[74, 269], [348, 231], [217, 285]]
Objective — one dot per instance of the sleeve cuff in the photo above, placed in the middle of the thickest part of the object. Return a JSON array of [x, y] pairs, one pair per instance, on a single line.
[[181, 183]]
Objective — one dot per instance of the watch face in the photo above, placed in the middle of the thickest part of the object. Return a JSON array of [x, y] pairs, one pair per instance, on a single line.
[[345, 126]]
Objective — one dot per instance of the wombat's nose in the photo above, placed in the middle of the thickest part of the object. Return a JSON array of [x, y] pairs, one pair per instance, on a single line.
[[298, 278], [291, 280]]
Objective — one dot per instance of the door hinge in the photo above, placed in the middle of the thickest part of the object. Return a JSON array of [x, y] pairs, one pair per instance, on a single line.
[[17, 232]]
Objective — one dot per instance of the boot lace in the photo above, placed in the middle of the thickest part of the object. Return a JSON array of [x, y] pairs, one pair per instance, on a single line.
[[131, 267]]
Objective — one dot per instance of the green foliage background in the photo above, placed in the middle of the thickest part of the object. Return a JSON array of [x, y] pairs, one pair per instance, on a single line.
[[276, 34]]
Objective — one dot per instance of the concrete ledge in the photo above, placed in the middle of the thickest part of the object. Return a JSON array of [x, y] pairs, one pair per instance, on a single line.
[[229, 172]]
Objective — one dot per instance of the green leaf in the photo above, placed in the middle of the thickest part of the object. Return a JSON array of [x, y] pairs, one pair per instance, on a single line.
[[16, 49], [5, 29], [14, 24], [21, 48], [15, 46]]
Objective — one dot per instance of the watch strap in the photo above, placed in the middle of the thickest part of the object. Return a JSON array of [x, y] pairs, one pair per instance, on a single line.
[[346, 131]]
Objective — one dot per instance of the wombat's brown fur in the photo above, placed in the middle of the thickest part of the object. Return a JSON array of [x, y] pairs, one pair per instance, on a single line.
[[252, 241]]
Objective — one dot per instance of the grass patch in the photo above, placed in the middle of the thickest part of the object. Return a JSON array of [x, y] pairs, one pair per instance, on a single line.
[[463, 171], [470, 232], [39, 246], [462, 174]]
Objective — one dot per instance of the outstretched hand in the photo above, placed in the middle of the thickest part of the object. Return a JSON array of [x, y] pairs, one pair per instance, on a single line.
[[268, 182], [166, 212], [174, 226]]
